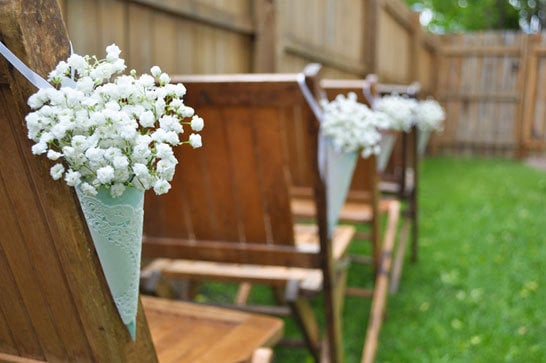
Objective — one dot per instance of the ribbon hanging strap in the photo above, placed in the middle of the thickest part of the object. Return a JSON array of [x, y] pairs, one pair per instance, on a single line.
[[28, 73]]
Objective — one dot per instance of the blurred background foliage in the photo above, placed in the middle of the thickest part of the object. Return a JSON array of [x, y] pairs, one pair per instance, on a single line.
[[450, 16]]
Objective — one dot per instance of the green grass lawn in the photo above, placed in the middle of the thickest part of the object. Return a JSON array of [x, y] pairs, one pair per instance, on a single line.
[[477, 293], [478, 290]]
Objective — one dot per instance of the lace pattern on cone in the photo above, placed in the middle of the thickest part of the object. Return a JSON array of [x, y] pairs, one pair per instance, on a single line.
[[118, 229]]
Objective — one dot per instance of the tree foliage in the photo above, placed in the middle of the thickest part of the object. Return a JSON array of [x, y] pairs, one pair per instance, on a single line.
[[445, 16]]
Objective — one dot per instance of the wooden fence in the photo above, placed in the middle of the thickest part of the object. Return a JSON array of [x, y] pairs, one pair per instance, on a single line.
[[351, 38], [493, 85]]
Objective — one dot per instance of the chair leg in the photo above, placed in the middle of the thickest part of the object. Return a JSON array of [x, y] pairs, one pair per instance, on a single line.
[[414, 227], [243, 292], [333, 293], [304, 317], [399, 254], [379, 300]]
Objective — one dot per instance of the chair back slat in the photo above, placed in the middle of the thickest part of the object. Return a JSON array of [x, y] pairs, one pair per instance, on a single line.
[[274, 176], [246, 178], [296, 147]]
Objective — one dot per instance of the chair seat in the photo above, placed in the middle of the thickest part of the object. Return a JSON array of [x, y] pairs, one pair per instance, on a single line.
[[306, 239], [352, 211], [187, 332]]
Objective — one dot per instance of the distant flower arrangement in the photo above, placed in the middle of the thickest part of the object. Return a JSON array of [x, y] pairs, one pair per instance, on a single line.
[[403, 113], [352, 126], [399, 110], [430, 115], [112, 130]]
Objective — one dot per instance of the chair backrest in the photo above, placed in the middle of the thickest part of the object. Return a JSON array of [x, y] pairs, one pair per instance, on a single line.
[[405, 151], [54, 301], [232, 195]]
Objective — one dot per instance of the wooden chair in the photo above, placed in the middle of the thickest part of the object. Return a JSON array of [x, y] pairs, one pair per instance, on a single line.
[[364, 205], [54, 301], [229, 218], [400, 177]]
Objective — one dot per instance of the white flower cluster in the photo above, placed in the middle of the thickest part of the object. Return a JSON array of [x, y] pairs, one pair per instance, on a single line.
[[352, 125], [430, 115], [399, 110], [110, 130]]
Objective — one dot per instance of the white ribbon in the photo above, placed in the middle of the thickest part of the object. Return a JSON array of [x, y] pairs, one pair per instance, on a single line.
[[33, 77], [317, 111], [366, 90], [28, 73]]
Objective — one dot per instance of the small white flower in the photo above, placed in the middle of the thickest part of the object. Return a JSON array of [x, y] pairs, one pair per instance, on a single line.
[[39, 148], [79, 142], [72, 178], [155, 71], [166, 168], [195, 141], [146, 80], [112, 52], [197, 123], [164, 151], [161, 186], [164, 79], [77, 62], [94, 154], [53, 155], [120, 162], [57, 171], [85, 84], [105, 174], [170, 123], [186, 111], [140, 170], [147, 119]]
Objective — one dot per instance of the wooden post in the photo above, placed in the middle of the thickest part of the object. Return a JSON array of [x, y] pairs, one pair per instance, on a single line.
[[50, 273], [265, 37], [527, 89], [416, 43], [369, 38]]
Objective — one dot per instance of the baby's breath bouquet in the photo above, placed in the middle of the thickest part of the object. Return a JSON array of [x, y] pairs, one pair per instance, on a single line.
[[430, 115], [399, 110], [351, 125], [111, 137], [110, 130]]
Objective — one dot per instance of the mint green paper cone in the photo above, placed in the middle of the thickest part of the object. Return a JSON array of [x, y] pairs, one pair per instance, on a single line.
[[422, 141], [337, 169], [115, 225]]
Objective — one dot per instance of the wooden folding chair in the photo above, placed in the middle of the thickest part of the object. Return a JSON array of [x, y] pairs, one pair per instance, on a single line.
[[364, 205], [54, 300], [398, 179], [401, 174], [228, 217]]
